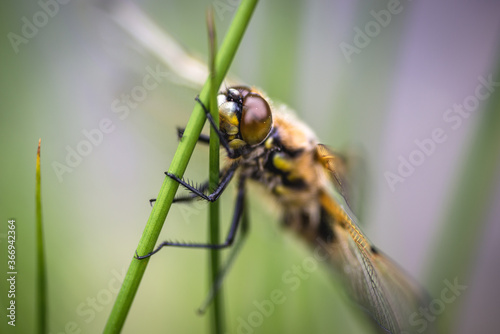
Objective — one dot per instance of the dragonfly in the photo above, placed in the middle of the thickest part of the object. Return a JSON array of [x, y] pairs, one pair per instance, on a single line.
[[266, 144]]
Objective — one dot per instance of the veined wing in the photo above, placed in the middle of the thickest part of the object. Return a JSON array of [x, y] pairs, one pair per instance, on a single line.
[[336, 165], [376, 283]]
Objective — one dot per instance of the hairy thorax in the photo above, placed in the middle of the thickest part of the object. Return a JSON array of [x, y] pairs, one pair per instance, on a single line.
[[286, 165]]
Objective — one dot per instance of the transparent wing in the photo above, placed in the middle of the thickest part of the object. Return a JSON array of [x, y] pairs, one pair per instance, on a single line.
[[336, 165], [374, 282]]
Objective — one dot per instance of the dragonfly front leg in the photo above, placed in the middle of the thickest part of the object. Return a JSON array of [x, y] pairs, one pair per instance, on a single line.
[[226, 178], [240, 199], [186, 198]]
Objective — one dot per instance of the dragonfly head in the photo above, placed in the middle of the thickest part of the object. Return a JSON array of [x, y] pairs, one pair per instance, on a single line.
[[245, 117]]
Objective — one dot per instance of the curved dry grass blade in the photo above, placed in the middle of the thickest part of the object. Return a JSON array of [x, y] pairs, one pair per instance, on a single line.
[[192, 71]]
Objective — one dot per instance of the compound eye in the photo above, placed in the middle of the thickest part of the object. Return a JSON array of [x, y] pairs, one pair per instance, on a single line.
[[256, 119], [243, 90]]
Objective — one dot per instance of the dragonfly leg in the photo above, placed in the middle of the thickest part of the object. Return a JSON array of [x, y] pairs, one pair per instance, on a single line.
[[229, 238], [199, 191], [186, 198], [216, 193]]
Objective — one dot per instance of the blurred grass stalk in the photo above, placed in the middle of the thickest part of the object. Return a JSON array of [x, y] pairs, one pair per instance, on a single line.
[[178, 166], [41, 292], [214, 207], [464, 224]]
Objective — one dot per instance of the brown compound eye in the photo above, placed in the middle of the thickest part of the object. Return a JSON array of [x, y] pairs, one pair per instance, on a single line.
[[256, 120]]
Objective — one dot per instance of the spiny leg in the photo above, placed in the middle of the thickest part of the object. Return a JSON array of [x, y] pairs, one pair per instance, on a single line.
[[226, 176], [186, 198], [199, 191], [204, 139], [217, 192], [229, 238], [191, 196]]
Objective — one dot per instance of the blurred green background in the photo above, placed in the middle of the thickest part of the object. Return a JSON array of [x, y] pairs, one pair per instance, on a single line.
[[441, 223]]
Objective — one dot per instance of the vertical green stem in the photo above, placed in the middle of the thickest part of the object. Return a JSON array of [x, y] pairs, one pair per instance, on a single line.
[[41, 303], [178, 166], [213, 221]]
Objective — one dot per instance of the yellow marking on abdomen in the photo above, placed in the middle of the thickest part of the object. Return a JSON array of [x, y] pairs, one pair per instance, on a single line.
[[340, 216]]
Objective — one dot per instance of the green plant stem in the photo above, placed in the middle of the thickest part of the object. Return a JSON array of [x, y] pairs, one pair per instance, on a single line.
[[178, 166], [41, 272], [214, 208]]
